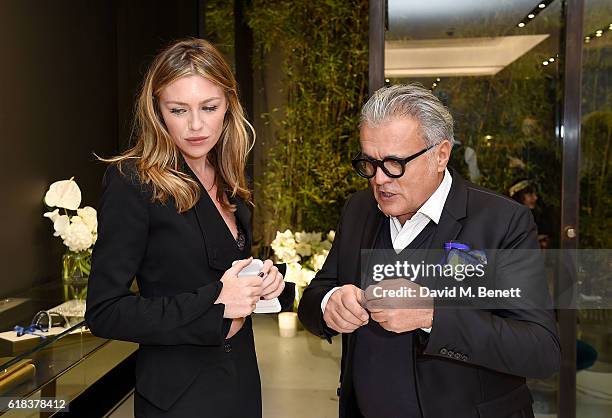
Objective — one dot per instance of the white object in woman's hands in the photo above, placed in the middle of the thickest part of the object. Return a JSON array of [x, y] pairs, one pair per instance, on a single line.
[[239, 295], [252, 269], [263, 305]]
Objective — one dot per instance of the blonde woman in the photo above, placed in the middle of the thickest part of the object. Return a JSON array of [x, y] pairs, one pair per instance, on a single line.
[[174, 216]]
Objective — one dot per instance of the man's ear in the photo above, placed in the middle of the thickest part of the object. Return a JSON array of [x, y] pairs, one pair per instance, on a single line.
[[443, 155]]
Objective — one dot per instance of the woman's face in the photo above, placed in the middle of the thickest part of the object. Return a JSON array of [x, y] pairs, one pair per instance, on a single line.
[[193, 109]]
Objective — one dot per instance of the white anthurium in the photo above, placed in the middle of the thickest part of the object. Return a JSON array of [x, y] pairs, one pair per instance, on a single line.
[[64, 194], [52, 215]]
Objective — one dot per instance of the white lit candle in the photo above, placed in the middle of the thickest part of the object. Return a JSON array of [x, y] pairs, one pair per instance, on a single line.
[[287, 324]]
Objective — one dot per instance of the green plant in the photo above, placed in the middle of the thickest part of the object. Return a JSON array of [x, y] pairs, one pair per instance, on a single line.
[[307, 173], [596, 181], [219, 26]]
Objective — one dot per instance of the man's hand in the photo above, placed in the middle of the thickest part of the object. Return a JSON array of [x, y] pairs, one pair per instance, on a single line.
[[402, 320], [397, 306], [343, 312]]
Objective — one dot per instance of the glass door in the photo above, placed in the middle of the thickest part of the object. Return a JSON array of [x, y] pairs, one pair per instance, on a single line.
[[512, 72], [594, 291]]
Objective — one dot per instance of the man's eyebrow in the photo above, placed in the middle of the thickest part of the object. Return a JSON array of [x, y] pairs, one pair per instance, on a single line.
[[210, 99], [391, 155]]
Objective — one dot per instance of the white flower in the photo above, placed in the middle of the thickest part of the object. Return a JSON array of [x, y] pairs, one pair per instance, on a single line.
[[60, 222], [52, 215], [89, 217], [60, 225], [325, 246], [303, 249], [299, 275], [331, 235], [293, 274], [283, 239], [64, 194], [77, 236], [319, 259], [308, 237], [306, 276], [284, 247], [286, 255]]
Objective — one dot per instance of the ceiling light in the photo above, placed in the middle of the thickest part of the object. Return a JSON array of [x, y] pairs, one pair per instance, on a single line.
[[520, 25], [551, 59], [530, 15], [541, 5], [545, 63], [445, 57]]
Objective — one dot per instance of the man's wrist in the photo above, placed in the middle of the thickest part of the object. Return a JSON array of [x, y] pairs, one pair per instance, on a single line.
[[428, 323], [326, 299]]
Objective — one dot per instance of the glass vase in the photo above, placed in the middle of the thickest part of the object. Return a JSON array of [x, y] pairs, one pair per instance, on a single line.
[[75, 274]]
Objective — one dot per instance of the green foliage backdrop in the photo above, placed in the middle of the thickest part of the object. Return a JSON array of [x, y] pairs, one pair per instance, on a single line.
[[307, 173]]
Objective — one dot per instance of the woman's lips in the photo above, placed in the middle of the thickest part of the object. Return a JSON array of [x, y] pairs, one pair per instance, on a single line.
[[196, 140]]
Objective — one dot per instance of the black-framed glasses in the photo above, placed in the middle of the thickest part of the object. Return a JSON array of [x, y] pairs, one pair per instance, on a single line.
[[392, 166]]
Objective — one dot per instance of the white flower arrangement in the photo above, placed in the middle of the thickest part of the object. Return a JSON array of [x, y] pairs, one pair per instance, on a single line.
[[78, 231], [304, 253]]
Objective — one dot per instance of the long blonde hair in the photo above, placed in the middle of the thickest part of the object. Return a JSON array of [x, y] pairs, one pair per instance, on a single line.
[[157, 158]]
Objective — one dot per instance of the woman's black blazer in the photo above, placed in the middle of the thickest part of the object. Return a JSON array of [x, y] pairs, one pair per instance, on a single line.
[[177, 260]]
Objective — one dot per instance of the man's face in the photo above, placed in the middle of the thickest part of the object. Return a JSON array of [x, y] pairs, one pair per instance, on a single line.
[[530, 199], [402, 197]]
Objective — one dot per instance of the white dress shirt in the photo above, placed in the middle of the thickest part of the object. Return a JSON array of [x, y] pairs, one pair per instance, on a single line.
[[403, 235]]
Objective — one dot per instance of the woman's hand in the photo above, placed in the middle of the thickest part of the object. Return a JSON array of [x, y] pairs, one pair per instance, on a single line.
[[239, 295], [273, 283], [237, 324]]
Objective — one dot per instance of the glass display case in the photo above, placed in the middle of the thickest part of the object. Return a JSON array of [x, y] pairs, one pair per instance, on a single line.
[[55, 364]]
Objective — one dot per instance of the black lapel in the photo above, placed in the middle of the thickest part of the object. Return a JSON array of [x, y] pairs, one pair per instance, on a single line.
[[220, 244], [455, 209], [221, 247], [243, 215], [373, 221]]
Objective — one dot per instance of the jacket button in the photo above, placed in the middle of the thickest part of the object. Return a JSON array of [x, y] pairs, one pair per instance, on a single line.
[[227, 347], [443, 351]]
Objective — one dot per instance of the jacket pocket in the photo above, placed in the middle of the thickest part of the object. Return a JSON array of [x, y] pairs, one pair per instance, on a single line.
[[508, 405]]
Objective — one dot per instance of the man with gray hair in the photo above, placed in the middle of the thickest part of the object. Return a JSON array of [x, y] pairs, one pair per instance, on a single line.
[[427, 360]]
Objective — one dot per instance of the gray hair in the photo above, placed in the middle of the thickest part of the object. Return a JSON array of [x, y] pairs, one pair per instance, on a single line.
[[410, 101]]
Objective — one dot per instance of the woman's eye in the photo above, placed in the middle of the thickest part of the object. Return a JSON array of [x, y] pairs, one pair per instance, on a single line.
[[177, 111], [209, 108]]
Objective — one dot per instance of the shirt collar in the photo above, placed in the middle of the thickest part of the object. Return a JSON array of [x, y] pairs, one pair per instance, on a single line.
[[432, 208]]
